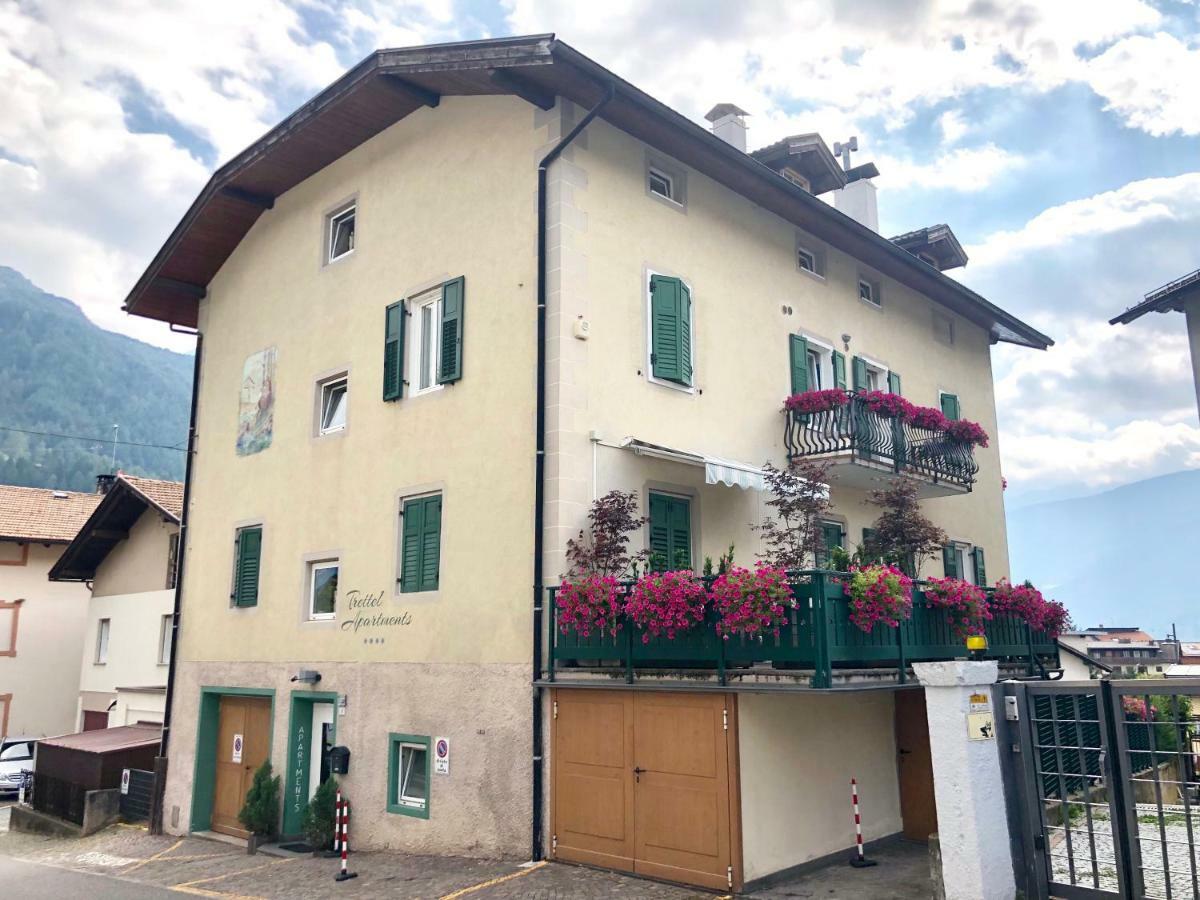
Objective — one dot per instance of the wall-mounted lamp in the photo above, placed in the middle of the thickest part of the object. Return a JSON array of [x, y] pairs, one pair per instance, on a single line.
[[307, 676], [845, 342]]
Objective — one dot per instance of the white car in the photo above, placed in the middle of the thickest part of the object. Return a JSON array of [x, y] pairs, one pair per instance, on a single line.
[[16, 756]]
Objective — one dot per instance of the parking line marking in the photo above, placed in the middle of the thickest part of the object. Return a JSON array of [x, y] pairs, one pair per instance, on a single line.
[[494, 881], [189, 884], [150, 859]]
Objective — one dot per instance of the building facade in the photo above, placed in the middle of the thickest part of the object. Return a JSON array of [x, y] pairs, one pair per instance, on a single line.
[[41, 623], [126, 553], [429, 342]]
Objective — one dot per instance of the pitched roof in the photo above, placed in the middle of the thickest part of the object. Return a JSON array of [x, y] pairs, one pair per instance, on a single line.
[[42, 515], [126, 499], [108, 740], [1067, 648], [390, 84], [1168, 298]]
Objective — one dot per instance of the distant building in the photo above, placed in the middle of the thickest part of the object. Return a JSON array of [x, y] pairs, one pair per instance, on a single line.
[[41, 623], [1078, 666], [1127, 651]]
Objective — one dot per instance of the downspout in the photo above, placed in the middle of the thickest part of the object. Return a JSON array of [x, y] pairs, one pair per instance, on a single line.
[[539, 464], [160, 763]]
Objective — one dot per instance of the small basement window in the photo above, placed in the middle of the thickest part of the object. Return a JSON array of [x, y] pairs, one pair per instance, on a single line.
[[408, 775], [341, 232], [661, 183], [335, 397]]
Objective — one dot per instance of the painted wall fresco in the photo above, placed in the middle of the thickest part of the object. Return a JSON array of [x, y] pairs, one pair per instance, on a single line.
[[256, 403]]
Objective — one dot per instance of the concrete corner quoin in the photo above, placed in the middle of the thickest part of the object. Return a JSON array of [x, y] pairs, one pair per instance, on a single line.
[[968, 784]]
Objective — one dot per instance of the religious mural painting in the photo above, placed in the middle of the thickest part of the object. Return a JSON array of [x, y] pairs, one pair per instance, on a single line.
[[256, 403]]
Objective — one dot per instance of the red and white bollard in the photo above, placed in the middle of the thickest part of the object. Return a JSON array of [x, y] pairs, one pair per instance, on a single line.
[[337, 822], [859, 859], [343, 829]]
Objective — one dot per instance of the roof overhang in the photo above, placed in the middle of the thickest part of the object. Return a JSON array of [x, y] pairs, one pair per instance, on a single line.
[[937, 242], [390, 84], [1171, 297], [809, 155]]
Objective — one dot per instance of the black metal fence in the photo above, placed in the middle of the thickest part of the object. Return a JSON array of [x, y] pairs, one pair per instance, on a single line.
[[139, 797]]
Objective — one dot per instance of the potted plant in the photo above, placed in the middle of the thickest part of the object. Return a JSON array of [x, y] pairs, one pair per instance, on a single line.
[[752, 603], [260, 814], [966, 605], [319, 823], [878, 593], [666, 603]]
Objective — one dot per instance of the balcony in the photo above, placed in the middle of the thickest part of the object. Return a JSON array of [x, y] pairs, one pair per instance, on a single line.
[[818, 647], [865, 446]]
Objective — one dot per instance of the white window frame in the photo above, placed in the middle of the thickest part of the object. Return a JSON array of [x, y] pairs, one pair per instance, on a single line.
[[649, 368], [313, 568], [873, 288], [401, 798], [414, 332], [166, 631], [673, 174], [879, 370], [966, 562], [815, 255], [331, 222], [327, 388], [653, 172], [103, 637]]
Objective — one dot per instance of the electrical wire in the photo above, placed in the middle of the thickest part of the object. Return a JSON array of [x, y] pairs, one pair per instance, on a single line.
[[95, 440]]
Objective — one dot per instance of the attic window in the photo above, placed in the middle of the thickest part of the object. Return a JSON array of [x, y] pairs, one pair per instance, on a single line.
[[341, 232], [796, 178], [661, 183], [868, 292]]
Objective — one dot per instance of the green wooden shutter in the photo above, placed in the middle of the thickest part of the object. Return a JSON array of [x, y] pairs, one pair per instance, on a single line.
[[421, 544], [860, 373], [248, 555], [681, 533], [660, 532], [831, 536], [393, 351], [867, 540], [839, 369], [798, 358], [670, 532], [453, 300], [893, 382], [950, 406], [670, 330], [980, 568], [950, 562]]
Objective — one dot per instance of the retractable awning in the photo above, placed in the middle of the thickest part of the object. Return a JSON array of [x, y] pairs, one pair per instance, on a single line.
[[717, 470]]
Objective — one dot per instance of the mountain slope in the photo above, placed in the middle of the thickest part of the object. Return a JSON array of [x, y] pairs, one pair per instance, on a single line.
[[61, 373], [1118, 558]]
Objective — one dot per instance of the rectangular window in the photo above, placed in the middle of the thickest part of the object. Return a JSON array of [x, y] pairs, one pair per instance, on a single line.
[[172, 559], [666, 182], [420, 544], [670, 532], [670, 330], [831, 537], [247, 556], [335, 398], [957, 561], [340, 232], [661, 183], [102, 629], [814, 370], [868, 291], [869, 376], [166, 631], [322, 589], [950, 407], [434, 340], [408, 775]]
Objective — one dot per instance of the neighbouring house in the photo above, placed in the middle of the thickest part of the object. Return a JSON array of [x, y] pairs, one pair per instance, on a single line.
[[1181, 295], [41, 622], [400, 427], [1126, 651], [126, 552], [1078, 666]]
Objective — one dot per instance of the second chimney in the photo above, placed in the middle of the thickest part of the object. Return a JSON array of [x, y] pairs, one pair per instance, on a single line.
[[729, 124]]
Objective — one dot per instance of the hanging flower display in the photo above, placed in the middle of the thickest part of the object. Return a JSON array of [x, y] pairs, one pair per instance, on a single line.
[[666, 603], [752, 603], [878, 593], [591, 602], [967, 432], [817, 401], [967, 608], [928, 418], [886, 404], [1026, 602]]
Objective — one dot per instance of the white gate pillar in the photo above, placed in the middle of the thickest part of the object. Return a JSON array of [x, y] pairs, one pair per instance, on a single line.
[[967, 783]]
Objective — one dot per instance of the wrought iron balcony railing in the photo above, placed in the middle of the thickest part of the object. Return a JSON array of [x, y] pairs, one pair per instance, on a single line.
[[858, 434]]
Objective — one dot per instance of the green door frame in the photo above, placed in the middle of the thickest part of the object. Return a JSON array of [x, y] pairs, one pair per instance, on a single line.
[[204, 773], [299, 766]]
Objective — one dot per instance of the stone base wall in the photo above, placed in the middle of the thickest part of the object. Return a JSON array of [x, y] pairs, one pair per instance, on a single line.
[[481, 808]]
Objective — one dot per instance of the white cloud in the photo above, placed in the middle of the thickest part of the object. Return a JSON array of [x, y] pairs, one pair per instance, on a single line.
[[1150, 82], [954, 125], [963, 169]]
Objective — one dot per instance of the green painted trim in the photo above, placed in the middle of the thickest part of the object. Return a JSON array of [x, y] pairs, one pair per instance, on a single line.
[[394, 774], [292, 819], [204, 771]]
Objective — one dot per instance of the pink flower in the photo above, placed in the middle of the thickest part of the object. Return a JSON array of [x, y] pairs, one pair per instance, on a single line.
[[752, 603], [591, 602], [816, 401], [878, 594], [966, 605], [967, 432], [666, 603], [888, 405]]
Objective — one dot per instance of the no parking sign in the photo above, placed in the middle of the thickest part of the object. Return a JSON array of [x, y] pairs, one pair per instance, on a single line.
[[441, 756]]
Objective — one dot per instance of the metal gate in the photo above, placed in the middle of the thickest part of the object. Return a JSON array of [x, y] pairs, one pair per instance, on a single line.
[[137, 799], [1109, 799]]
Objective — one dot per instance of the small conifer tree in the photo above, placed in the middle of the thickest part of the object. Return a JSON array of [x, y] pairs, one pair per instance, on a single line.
[[319, 819], [260, 814]]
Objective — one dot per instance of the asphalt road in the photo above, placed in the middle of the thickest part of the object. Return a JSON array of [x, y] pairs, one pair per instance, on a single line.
[[30, 881]]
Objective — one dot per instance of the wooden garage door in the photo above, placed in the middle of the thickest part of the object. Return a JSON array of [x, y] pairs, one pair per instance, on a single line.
[[643, 783]]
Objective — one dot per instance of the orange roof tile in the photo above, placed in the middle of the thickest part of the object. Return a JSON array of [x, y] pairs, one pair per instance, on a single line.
[[42, 514], [166, 495]]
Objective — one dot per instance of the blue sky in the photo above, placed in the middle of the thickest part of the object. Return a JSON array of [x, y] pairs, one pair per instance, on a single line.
[[1060, 140]]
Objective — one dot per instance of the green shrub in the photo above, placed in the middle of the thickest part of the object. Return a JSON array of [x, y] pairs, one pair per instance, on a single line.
[[320, 816], [260, 815]]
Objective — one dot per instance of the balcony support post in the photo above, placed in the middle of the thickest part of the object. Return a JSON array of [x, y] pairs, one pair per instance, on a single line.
[[1029, 644], [713, 619], [552, 638], [822, 667], [628, 649], [902, 670]]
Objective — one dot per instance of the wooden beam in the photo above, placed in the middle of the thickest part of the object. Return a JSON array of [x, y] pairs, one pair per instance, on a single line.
[[522, 87], [237, 193], [411, 91], [108, 534], [197, 291]]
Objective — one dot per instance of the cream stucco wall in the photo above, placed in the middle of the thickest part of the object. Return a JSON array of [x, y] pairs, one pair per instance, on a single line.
[[748, 296], [798, 754], [43, 677], [134, 631], [138, 563]]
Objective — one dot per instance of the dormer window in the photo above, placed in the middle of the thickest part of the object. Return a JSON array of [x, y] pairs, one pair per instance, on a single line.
[[340, 239], [661, 183]]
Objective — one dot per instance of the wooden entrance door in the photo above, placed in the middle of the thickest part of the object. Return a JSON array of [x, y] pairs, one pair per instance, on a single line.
[[643, 782], [917, 806], [247, 719]]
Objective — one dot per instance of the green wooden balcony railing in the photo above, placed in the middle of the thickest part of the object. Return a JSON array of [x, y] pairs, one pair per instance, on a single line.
[[818, 636]]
